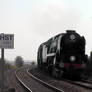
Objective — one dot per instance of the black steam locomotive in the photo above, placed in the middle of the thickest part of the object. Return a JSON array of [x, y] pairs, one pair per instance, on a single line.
[[63, 55]]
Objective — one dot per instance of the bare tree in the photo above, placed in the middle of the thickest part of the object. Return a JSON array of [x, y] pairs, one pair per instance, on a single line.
[[19, 61]]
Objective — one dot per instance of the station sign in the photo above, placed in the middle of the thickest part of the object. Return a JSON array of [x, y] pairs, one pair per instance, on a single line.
[[6, 41]]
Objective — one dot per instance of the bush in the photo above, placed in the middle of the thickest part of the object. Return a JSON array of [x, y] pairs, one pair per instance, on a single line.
[[19, 61]]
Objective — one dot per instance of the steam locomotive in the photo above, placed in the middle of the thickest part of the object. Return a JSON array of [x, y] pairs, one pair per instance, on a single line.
[[63, 55]]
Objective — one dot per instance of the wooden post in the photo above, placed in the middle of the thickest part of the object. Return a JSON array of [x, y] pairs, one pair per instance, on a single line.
[[2, 71]]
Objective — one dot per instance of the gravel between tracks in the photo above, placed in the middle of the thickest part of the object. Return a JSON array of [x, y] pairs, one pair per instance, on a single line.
[[67, 87]]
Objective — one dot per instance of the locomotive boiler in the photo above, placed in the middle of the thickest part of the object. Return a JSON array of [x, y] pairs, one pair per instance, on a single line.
[[63, 55]]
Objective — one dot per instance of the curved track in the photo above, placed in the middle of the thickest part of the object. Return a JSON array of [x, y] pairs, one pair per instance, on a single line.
[[59, 84], [65, 84], [31, 84], [35, 84], [22, 81], [46, 84]]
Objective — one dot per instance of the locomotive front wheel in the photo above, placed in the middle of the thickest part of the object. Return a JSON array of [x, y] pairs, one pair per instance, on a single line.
[[56, 73]]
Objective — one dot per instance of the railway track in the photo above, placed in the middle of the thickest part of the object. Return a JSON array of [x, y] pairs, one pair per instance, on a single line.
[[67, 87], [44, 83], [65, 84], [34, 85], [87, 81], [18, 78], [83, 83]]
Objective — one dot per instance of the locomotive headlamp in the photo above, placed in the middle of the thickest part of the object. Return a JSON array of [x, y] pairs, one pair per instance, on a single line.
[[72, 58], [72, 37]]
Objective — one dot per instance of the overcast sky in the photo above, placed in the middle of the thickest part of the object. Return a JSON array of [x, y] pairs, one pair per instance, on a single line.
[[35, 21]]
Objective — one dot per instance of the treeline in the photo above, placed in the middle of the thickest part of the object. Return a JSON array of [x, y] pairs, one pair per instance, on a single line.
[[18, 62], [88, 69]]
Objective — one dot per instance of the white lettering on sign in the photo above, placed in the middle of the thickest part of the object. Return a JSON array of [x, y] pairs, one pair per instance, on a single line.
[[7, 41]]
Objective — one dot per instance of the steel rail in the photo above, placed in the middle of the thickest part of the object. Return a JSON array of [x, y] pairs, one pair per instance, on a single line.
[[84, 84], [44, 83], [87, 81], [22, 81]]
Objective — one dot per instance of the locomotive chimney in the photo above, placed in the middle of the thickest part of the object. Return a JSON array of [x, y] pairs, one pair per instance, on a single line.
[[70, 31]]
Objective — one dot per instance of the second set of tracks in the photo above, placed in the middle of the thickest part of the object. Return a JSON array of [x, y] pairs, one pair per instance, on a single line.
[[82, 83]]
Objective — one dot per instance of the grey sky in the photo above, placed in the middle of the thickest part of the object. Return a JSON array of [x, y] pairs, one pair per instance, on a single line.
[[35, 21]]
